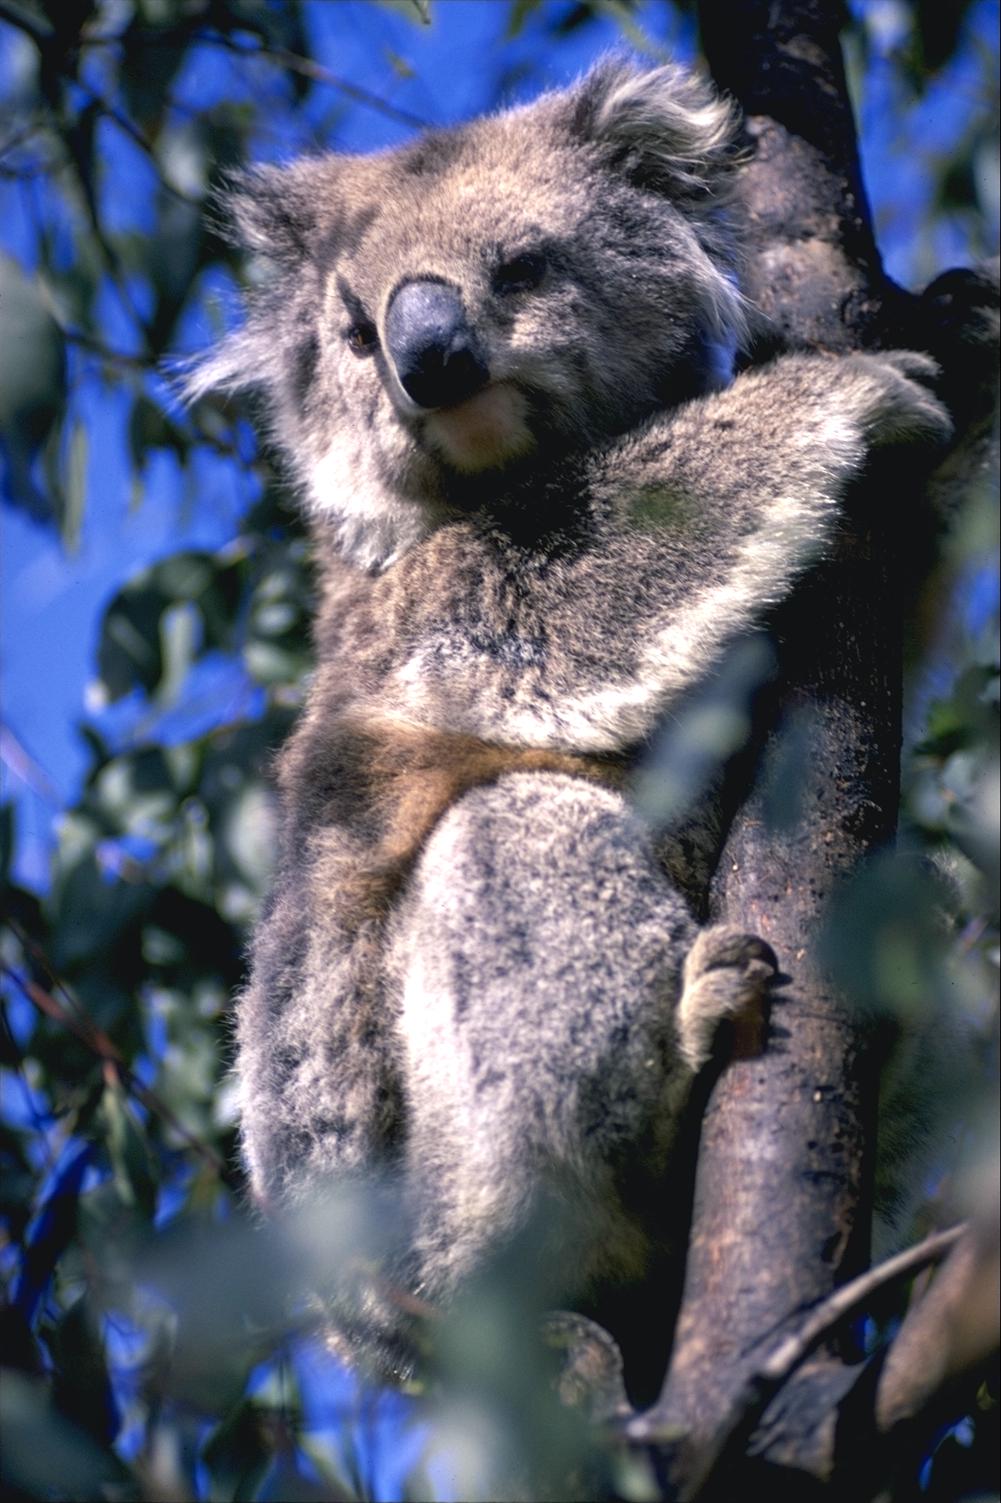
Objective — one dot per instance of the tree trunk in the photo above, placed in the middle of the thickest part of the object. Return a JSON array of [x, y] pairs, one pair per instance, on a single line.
[[783, 1189]]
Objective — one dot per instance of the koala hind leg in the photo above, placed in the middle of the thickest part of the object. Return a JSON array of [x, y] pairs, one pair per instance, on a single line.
[[538, 959]]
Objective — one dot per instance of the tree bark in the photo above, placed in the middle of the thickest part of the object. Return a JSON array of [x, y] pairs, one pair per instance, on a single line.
[[782, 1198]]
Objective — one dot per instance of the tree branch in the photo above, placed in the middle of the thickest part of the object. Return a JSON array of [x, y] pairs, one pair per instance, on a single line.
[[949, 1333], [790, 1354]]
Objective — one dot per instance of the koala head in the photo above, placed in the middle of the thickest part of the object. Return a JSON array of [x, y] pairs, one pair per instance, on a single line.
[[487, 298]]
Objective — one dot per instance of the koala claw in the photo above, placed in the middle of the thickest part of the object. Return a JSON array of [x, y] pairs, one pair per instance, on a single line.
[[901, 407], [913, 364], [726, 972]]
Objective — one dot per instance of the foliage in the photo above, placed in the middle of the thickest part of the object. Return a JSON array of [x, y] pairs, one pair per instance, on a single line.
[[153, 1343]]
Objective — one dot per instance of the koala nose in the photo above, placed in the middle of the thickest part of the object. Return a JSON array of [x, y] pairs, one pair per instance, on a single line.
[[435, 352]]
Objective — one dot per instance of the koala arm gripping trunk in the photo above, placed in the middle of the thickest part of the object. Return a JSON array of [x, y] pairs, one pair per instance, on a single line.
[[702, 520]]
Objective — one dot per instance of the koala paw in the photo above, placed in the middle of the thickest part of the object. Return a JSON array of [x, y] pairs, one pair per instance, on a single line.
[[590, 1374], [726, 972], [898, 406]]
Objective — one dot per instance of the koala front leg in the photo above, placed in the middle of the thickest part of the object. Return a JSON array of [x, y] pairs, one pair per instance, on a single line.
[[734, 496], [539, 957], [700, 521]]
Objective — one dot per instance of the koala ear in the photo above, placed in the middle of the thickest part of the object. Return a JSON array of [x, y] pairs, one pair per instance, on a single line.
[[667, 129], [275, 211], [282, 214]]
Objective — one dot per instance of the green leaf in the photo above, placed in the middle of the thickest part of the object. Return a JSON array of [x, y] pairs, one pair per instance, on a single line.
[[81, 1387], [418, 11], [207, 947], [45, 1456], [246, 837], [18, 1182], [136, 794], [128, 654], [277, 649], [6, 839], [137, 650], [74, 486], [94, 917], [32, 387], [518, 13], [152, 56], [110, 1233], [180, 634], [939, 28], [269, 663], [134, 1172], [238, 1452], [151, 428], [885, 940], [399, 64], [173, 257]]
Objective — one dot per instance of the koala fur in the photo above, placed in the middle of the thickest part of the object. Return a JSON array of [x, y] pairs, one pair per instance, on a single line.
[[498, 361]]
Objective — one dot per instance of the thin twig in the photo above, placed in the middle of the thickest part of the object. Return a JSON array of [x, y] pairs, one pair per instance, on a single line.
[[105, 1049], [109, 255], [15, 756], [317, 73], [140, 139], [790, 1354], [34, 26], [40, 958], [294, 62], [41, 33], [794, 1350], [40, 1125], [19, 137], [946, 1335], [105, 352]]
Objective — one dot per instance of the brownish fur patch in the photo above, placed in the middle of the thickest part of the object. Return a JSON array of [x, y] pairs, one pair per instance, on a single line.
[[416, 775]]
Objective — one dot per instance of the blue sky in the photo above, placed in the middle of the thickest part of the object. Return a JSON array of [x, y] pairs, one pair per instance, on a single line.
[[50, 600]]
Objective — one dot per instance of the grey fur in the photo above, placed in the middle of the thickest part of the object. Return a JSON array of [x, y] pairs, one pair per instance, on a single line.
[[548, 567]]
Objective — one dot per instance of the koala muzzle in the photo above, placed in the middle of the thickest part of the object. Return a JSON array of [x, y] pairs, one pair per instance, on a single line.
[[436, 356]]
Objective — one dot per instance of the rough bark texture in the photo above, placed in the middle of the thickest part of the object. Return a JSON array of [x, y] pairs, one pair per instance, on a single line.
[[781, 1201], [782, 1160]]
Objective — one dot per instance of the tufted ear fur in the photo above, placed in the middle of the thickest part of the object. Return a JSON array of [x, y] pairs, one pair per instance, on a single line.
[[280, 214], [667, 129], [234, 364], [275, 211]]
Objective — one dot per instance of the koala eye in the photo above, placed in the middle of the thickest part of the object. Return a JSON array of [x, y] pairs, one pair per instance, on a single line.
[[521, 273], [362, 338]]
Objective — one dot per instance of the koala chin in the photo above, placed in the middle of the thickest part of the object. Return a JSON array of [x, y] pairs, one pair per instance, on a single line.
[[484, 432], [498, 363]]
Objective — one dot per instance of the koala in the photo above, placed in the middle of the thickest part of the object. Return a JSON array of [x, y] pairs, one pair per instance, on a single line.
[[499, 362]]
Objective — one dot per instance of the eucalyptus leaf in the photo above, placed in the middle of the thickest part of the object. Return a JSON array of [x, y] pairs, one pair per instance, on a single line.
[[82, 1389], [45, 1455], [238, 1453], [74, 489], [134, 1173], [32, 388]]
